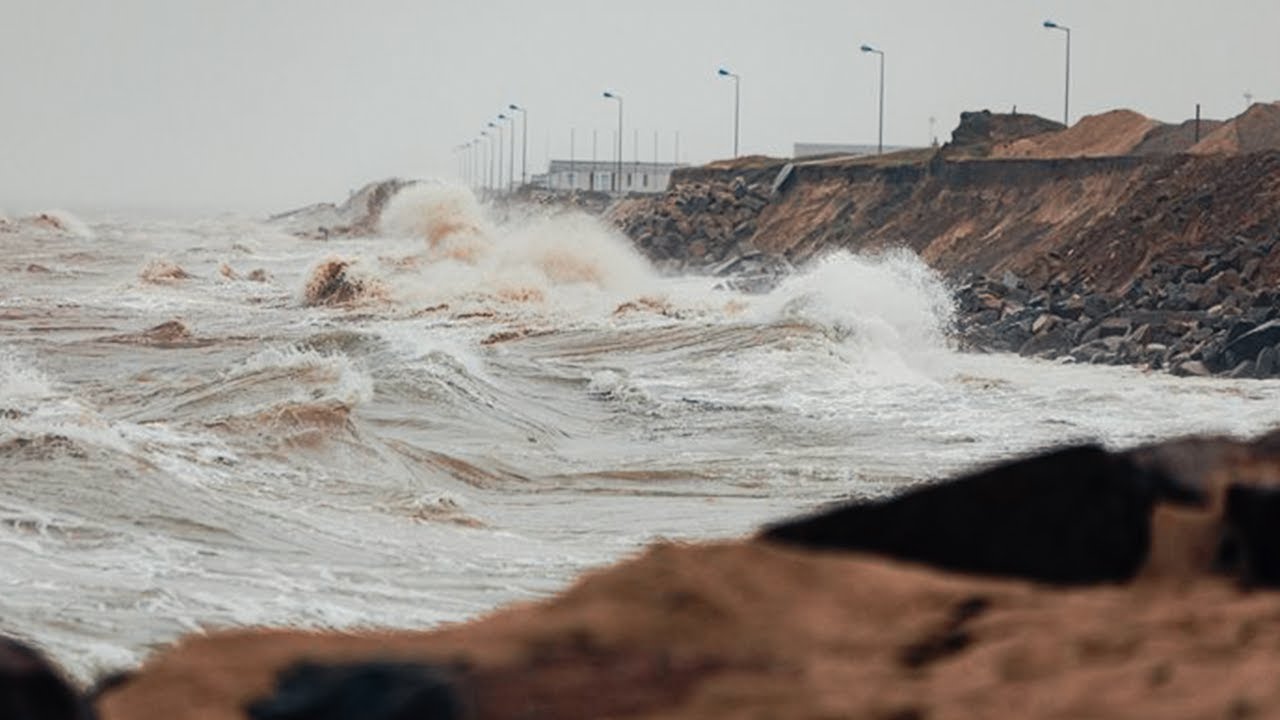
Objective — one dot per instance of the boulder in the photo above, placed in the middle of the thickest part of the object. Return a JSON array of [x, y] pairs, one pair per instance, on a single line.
[[31, 688], [1256, 340], [360, 691], [1072, 516]]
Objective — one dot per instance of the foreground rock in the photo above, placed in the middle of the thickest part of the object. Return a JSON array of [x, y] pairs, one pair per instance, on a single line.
[[32, 689], [771, 628]]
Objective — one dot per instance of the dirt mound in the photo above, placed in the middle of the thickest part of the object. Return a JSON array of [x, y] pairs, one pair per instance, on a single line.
[[1174, 139], [978, 132], [1256, 130], [1112, 133]]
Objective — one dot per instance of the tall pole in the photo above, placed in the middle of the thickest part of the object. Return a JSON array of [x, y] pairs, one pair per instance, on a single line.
[[617, 175], [498, 178], [511, 156], [1066, 93], [880, 137], [737, 103], [489, 184], [524, 142]]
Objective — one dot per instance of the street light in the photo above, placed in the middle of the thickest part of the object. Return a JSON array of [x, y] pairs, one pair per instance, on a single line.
[[1066, 102], [498, 184], [488, 154], [511, 158], [617, 175], [737, 104], [524, 143], [880, 142]]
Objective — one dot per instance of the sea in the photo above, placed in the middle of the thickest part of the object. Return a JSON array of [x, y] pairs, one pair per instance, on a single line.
[[223, 423]]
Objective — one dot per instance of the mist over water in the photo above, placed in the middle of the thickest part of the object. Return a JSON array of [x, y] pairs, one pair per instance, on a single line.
[[189, 441]]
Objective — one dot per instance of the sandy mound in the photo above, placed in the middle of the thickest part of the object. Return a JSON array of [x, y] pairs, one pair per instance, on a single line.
[[744, 629], [979, 131], [1257, 129], [1113, 133], [1175, 139]]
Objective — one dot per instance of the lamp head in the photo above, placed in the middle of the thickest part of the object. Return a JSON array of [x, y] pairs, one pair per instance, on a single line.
[[502, 116], [723, 73], [492, 125], [1051, 24], [609, 95], [515, 107]]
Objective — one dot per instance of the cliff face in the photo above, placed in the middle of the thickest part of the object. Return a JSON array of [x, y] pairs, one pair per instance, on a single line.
[[1100, 221]]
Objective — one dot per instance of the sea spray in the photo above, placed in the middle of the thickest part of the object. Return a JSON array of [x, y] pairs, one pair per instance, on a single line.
[[567, 261], [889, 309]]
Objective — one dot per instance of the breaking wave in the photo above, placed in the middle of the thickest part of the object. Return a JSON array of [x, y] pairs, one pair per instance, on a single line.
[[568, 260], [891, 310]]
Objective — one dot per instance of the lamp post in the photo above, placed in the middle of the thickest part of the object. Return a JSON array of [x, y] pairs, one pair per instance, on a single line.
[[1066, 102], [488, 160], [874, 51], [524, 142], [737, 103], [497, 184], [617, 175], [511, 157]]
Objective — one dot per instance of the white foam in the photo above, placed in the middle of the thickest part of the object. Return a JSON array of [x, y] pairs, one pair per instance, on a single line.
[[567, 261], [890, 310], [23, 386], [341, 378]]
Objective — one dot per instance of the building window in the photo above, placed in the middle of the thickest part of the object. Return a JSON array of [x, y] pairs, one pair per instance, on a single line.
[[628, 179], [644, 180]]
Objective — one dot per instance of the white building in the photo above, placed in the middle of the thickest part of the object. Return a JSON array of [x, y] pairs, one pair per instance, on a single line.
[[637, 177]]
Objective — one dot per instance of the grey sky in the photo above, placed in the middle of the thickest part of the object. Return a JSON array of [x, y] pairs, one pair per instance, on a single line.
[[265, 104]]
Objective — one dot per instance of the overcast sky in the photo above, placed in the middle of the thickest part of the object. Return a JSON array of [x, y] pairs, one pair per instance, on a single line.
[[260, 105]]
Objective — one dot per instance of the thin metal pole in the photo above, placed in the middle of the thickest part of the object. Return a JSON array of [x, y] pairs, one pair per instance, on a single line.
[[524, 147], [1197, 122], [595, 135], [573, 160], [619, 173], [1066, 102], [737, 108], [880, 141], [511, 162]]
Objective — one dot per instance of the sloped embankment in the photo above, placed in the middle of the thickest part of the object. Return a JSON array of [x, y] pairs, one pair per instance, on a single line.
[[1189, 236]]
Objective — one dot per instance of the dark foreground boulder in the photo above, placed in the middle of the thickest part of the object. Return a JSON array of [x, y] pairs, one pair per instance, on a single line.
[[1251, 543], [360, 691], [31, 688], [1073, 516]]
